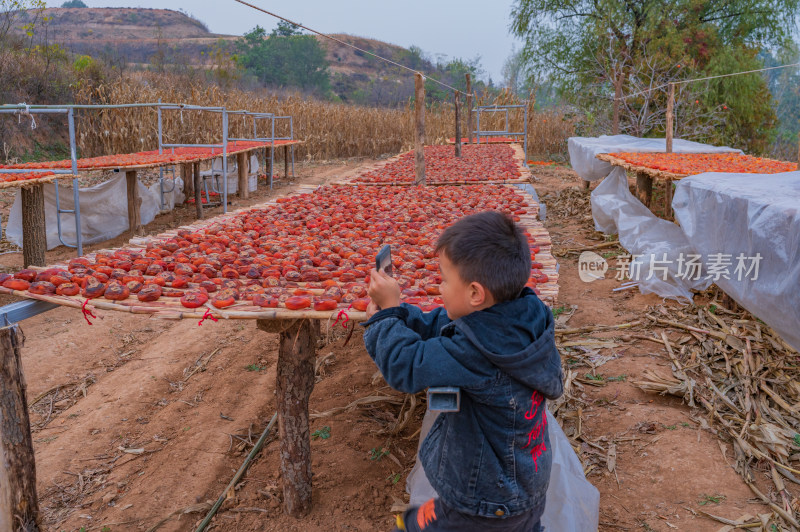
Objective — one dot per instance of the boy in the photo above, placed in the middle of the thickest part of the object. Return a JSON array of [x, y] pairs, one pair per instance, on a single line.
[[490, 462]]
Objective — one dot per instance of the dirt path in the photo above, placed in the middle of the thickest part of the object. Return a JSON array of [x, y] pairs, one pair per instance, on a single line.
[[138, 418]]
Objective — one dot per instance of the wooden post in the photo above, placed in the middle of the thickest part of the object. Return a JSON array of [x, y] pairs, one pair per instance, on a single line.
[[198, 190], [286, 162], [19, 506], [188, 180], [644, 187], [134, 203], [294, 383], [457, 98], [419, 138], [34, 234], [243, 185], [670, 110], [469, 109], [617, 103]]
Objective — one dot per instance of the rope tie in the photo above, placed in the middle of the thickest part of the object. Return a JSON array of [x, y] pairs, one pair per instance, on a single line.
[[86, 312], [207, 315], [343, 313]]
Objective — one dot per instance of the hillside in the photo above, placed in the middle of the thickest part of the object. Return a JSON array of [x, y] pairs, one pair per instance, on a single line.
[[137, 35]]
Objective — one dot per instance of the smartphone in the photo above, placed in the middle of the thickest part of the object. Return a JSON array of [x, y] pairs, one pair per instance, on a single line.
[[383, 260]]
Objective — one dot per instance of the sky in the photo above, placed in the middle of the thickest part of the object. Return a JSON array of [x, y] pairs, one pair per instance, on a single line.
[[455, 28]]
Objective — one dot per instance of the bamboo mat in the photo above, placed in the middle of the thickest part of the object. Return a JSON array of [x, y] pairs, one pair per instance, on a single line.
[[171, 308], [519, 156], [191, 161], [198, 159], [25, 183], [651, 172]]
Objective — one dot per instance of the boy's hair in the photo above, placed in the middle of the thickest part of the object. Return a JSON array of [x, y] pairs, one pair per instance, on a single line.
[[489, 248]]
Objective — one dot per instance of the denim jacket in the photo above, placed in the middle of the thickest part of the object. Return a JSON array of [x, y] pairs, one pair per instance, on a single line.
[[492, 458]]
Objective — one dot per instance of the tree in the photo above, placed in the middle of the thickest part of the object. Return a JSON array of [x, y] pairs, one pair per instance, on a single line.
[[596, 49], [285, 58], [513, 73], [73, 3]]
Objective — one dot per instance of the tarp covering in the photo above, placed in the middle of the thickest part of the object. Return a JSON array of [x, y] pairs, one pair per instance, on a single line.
[[583, 151], [748, 226]]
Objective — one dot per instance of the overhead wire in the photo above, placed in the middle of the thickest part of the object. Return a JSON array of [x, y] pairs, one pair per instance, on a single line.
[[685, 81], [349, 45]]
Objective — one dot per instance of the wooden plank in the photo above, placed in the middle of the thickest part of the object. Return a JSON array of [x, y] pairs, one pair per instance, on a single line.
[[19, 506], [34, 234]]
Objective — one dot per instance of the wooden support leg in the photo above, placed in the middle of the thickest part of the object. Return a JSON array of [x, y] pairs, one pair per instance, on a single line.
[[19, 506], [134, 203], [243, 185], [34, 235], [668, 199], [198, 190], [295, 380], [188, 180], [644, 187]]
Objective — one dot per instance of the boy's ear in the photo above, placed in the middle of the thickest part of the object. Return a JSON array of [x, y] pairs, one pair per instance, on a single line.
[[478, 294]]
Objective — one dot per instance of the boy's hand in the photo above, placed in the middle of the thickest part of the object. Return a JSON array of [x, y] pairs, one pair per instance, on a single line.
[[383, 290], [372, 308]]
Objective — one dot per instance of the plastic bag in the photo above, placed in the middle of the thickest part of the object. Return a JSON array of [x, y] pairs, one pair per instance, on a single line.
[[573, 504]]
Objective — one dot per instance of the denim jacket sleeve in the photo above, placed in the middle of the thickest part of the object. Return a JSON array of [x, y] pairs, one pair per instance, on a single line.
[[426, 324], [410, 363]]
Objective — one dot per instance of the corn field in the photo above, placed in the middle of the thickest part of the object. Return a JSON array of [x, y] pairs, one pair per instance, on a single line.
[[329, 130]]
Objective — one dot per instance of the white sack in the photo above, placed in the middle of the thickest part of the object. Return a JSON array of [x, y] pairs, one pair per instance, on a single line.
[[572, 502]]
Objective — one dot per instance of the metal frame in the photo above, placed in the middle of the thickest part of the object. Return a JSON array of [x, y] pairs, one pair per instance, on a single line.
[[507, 133], [271, 139], [224, 145], [23, 109]]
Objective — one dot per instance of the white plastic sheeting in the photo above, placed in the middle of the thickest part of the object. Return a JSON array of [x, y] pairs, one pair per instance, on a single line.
[[749, 216], [572, 502], [655, 244], [104, 207], [104, 212], [583, 150]]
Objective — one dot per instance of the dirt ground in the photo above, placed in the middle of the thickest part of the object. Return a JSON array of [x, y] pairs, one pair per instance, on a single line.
[[140, 422]]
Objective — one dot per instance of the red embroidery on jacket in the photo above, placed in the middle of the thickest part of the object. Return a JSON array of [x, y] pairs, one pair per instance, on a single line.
[[538, 429]]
